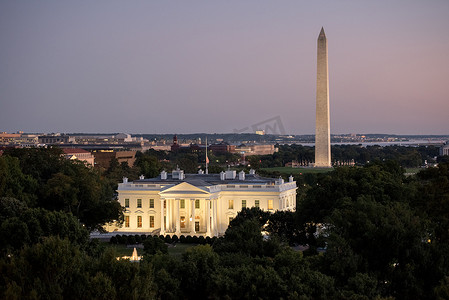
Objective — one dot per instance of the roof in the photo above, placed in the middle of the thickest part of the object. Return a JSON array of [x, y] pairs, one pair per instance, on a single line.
[[208, 180], [74, 151]]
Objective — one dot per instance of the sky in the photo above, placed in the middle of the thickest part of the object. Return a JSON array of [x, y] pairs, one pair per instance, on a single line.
[[222, 66]]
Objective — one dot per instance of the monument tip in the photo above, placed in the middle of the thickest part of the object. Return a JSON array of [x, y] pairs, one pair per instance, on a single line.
[[322, 34]]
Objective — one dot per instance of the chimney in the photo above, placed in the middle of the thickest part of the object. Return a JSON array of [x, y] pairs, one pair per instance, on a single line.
[[163, 175], [231, 174], [141, 177], [242, 175], [125, 179], [252, 172], [280, 180], [222, 175], [290, 179]]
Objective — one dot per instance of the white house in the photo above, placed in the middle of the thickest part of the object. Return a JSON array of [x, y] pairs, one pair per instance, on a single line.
[[198, 204]]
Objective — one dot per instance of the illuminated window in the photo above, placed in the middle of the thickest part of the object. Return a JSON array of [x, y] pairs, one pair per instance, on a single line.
[[139, 221], [183, 222], [231, 204], [139, 203], [183, 203], [243, 203], [256, 203], [151, 221], [270, 204], [126, 202], [151, 203], [126, 221], [197, 203]]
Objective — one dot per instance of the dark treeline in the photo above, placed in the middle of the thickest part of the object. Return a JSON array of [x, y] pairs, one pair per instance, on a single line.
[[407, 157], [369, 233]]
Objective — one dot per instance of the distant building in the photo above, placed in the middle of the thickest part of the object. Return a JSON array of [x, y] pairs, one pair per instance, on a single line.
[[198, 204], [222, 147], [293, 164], [19, 139], [103, 157], [56, 139], [444, 150], [79, 154], [255, 149]]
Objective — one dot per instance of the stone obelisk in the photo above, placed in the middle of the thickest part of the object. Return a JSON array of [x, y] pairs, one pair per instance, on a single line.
[[322, 132]]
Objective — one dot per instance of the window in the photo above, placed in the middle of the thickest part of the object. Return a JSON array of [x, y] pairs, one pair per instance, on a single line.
[[183, 203], [183, 222], [243, 203], [126, 202], [231, 204], [151, 203], [270, 204], [230, 219], [151, 221], [126, 221], [139, 203], [139, 221], [197, 203], [256, 203], [165, 203], [197, 226]]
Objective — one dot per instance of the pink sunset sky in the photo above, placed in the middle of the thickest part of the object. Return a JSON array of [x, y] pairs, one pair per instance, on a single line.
[[215, 66]]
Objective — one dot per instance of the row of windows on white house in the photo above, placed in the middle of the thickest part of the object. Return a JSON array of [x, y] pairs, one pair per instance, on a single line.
[[197, 204], [182, 220]]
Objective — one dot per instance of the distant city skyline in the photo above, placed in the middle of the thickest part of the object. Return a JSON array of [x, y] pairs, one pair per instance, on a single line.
[[220, 67]]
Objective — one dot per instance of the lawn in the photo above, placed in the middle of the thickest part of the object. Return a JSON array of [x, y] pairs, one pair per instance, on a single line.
[[179, 249], [123, 250]]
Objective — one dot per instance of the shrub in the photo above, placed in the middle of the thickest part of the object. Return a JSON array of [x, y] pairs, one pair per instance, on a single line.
[[182, 239], [153, 245], [131, 239], [174, 238], [138, 239], [167, 239]]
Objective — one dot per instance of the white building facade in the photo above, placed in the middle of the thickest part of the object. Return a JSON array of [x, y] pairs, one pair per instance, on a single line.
[[198, 204]]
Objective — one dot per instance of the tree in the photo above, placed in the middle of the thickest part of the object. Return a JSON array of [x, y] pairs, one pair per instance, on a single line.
[[153, 245], [14, 183], [148, 165]]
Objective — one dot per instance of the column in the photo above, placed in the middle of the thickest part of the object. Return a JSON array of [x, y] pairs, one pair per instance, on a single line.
[[167, 214], [214, 211], [178, 219], [212, 226], [218, 208], [192, 215], [162, 217], [207, 217]]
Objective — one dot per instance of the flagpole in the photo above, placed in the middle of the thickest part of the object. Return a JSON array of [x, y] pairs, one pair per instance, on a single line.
[[207, 159]]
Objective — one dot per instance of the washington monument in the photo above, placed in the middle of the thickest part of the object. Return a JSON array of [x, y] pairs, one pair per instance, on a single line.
[[322, 132]]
